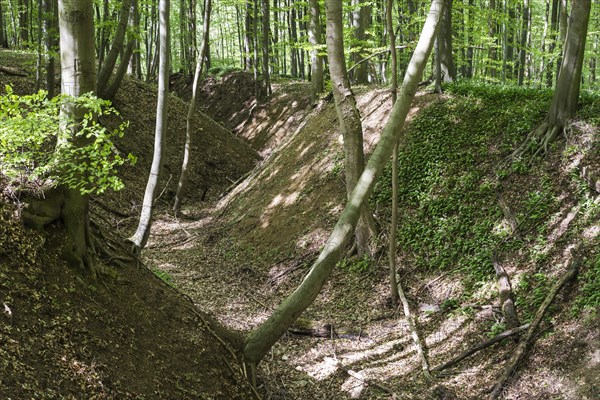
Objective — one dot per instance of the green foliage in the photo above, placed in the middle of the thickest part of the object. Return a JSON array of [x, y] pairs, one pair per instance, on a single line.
[[37, 143], [496, 329], [447, 168], [219, 72], [164, 276], [589, 294], [359, 265], [530, 293]]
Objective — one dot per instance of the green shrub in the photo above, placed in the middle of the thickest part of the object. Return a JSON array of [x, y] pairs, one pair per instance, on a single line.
[[36, 143]]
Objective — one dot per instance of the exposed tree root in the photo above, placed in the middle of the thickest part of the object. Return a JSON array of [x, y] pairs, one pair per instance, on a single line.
[[506, 296], [527, 341], [412, 326], [539, 140]]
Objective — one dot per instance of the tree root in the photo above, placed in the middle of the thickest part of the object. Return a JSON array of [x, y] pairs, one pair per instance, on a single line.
[[506, 296], [527, 341], [539, 140]]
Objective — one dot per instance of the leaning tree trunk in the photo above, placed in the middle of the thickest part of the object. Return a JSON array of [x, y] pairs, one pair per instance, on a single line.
[[78, 73], [348, 117], [260, 340], [140, 237], [566, 94], [115, 49], [192, 108]]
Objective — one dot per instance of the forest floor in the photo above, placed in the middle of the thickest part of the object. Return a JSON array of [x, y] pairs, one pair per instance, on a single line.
[[240, 246], [253, 247]]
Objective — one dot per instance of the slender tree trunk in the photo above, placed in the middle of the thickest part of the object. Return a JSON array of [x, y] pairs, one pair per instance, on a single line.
[[394, 220], [248, 39], [115, 83], [266, 33], [348, 116], [78, 71], [509, 33], [293, 39], [563, 18], [360, 23], [40, 53], [552, 46], [315, 39], [104, 33], [492, 31], [115, 49], [3, 35], [181, 186], [470, 41], [260, 340], [523, 44], [23, 22], [140, 237]]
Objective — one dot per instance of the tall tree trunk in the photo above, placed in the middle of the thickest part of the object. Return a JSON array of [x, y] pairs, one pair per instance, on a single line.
[[315, 39], [523, 44], [78, 72], [566, 94], [266, 34], [444, 39], [260, 340], [115, 49], [361, 17], [394, 219], [552, 46], [348, 117], [563, 19], [23, 22], [40, 52], [183, 178], [248, 38], [492, 31], [509, 40], [293, 40], [470, 41], [140, 237], [3, 35]]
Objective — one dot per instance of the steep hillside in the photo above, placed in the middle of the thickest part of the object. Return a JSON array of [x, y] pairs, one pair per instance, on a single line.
[[264, 235], [128, 334]]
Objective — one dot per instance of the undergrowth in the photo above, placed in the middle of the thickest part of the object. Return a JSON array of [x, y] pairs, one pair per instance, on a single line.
[[449, 177]]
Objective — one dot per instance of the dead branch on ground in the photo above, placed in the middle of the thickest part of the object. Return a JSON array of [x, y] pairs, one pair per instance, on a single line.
[[527, 341], [480, 346]]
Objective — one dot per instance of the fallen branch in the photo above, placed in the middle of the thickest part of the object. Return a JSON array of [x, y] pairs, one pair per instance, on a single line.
[[12, 71], [412, 326], [527, 341], [480, 346]]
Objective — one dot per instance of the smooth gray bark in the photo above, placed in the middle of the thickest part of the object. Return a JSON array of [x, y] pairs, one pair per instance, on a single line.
[[140, 237], [115, 49], [315, 39], [394, 219], [349, 119], [78, 73], [260, 340]]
